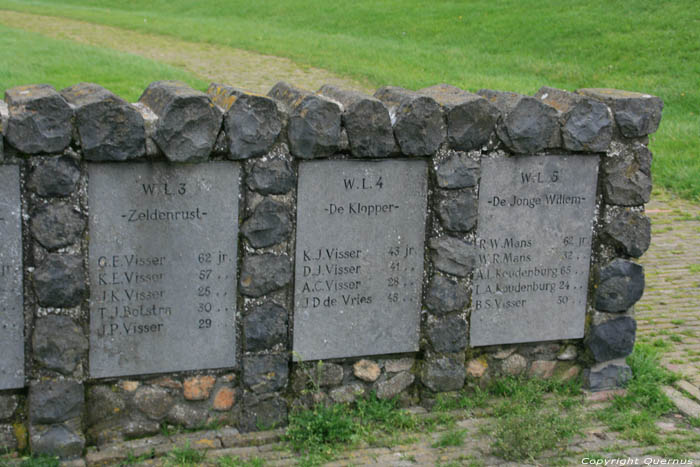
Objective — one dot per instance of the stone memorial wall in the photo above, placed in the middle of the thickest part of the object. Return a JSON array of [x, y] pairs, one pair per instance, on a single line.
[[188, 259]]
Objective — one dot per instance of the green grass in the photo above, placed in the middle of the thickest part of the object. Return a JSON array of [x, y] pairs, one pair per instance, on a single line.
[[184, 456], [40, 461], [641, 45], [635, 413], [451, 438], [228, 461], [64, 63]]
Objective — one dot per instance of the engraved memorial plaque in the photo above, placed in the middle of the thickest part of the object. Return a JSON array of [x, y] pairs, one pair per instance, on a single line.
[[163, 245], [11, 300], [533, 248], [359, 258]]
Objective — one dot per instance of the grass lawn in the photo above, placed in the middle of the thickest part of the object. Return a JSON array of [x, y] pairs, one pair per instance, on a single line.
[[642, 45]]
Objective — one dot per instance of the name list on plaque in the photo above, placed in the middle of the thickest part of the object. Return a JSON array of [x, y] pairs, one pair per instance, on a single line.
[[163, 248], [359, 258], [533, 248], [11, 303]]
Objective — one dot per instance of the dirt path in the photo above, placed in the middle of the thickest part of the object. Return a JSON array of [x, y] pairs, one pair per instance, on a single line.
[[216, 63], [670, 308]]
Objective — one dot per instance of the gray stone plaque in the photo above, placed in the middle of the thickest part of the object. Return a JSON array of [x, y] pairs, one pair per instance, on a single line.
[[533, 248], [11, 311], [163, 244], [359, 258]]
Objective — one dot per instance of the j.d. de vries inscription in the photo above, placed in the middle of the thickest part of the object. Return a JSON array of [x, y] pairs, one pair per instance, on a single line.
[[359, 258], [533, 248], [162, 267]]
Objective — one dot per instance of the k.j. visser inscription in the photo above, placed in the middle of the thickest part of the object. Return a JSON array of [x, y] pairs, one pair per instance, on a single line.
[[162, 267], [359, 258], [533, 248], [11, 313]]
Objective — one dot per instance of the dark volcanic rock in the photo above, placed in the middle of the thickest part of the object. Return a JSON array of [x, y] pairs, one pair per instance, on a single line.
[[110, 129], [55, 176], [452, 255], [55, 401], [265, 373], [636, 114], [470, 118], [265, 326], [458, 213], [629, 232], [366, 121], [59, 343], [445, 296], [270, 224], [627, 176], [620, 285], [40, 119], [261, 274], [263, 412], [252, 121], [442, 373], [59, 281], [419, 125], [448, 334], [57, 440], [586, 124], [271, 177], [188, 121], [457, 171], [608, 375], [612, 339], [526, 124], [314, 121], [57, 225]]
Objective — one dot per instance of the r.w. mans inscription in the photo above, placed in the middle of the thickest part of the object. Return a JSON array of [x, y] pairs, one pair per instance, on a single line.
[[359, 258], [162, 267], [533, 247], [11, 314]]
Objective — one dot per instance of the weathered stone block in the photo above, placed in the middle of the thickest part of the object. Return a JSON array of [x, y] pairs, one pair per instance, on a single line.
[[261, 274], [445, 296], [395, 385], [224, 399], [8, 405], [57, 225], [448, 334], [629, 232], [262, 412], [636, 114], [252, 121], [55, 401], [514, 365], [419, 125], [265, 326], [526, 124], [470, 118], [456, 171], [40, 119], [269, 224], [103, 403], [347, 394], [265, 373], [366, 121], [607, 375], [59, 281], [54, 177], [57, 440], [110, 129], [187, 416], [314, 121], [271, 177], [458, 213], [59, 343], [620, 285], [153, 401], [627, 175], [442, 373], [585, 123], [452, 255], [612, 339], [188, 121]]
